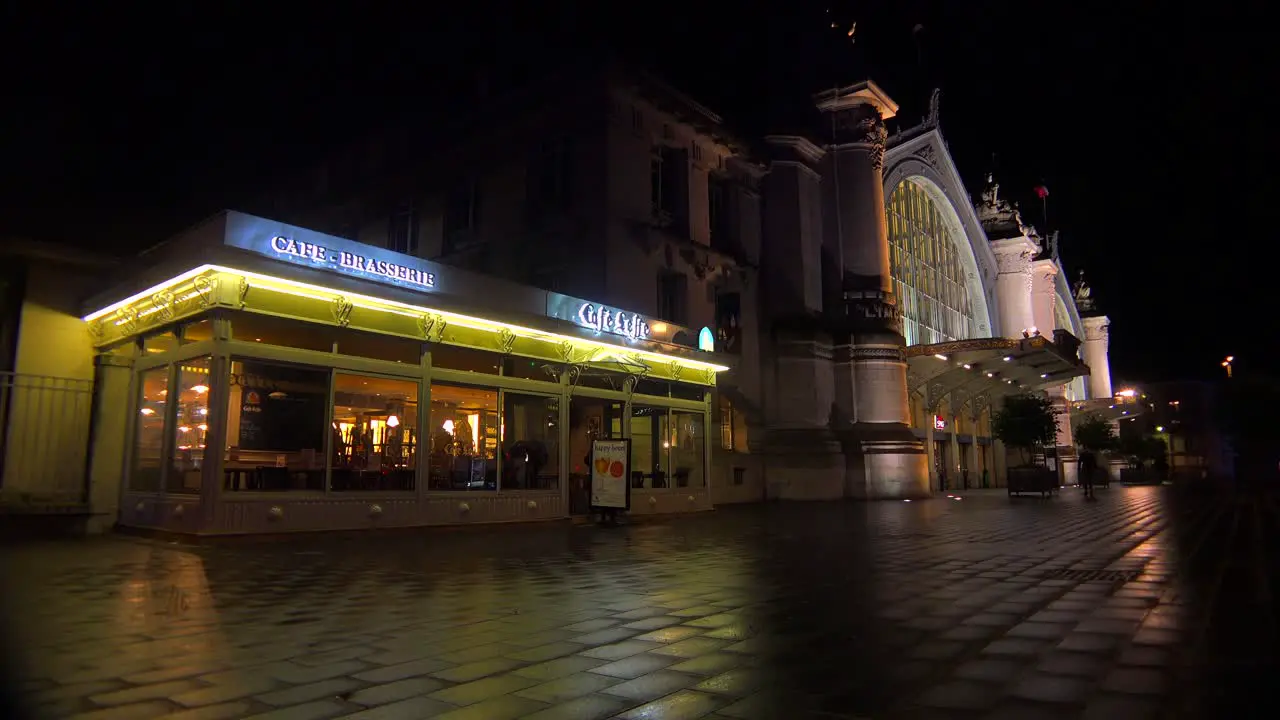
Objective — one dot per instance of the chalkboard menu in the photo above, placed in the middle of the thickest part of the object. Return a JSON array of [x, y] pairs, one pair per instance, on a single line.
[[280, 410]]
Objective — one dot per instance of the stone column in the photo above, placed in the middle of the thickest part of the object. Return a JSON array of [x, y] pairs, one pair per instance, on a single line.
[[109, 439], [803, 458], [1044, 295], [886, 460], [1014, 285], [1097, 334]]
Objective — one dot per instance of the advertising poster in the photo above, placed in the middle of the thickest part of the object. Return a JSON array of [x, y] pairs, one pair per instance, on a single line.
[[610, 470]]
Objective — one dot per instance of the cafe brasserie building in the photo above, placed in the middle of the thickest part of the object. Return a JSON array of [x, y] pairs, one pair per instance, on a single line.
[[268, 378]]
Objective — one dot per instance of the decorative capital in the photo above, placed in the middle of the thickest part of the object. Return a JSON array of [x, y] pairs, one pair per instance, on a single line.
[[1014, 255], [506, 341], [242, 291], [127, 319], [432, 327], [206, 288], [341, 308], [862, 124], [163, 304]]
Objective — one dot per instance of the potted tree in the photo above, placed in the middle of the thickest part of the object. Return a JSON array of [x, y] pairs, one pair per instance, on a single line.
[[1096, 436], [1026, 424]]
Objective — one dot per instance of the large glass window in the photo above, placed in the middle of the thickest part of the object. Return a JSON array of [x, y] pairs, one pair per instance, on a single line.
[[688, 448], [929, 278], [192, 398], [148, 444], [530, 442], [650, 443], [464, 435], [276, 416], [375, 433]]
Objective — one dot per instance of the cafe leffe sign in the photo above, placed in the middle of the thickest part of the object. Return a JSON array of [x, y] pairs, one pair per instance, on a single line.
[[618, 322]]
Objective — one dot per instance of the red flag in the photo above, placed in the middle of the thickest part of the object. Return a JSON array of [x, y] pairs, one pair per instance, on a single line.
[[1042, 192]]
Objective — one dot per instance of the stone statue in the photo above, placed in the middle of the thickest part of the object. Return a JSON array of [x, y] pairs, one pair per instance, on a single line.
[[1083, 294]]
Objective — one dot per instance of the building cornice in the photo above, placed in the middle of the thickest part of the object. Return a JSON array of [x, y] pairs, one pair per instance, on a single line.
[[804, 149]]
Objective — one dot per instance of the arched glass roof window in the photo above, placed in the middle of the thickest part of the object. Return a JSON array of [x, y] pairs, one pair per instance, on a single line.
[[927, 269]]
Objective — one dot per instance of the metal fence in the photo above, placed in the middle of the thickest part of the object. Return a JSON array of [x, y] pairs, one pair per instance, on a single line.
[[44, 438]]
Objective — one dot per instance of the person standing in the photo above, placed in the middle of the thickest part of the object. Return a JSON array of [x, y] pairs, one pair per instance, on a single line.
[[1088, 466]]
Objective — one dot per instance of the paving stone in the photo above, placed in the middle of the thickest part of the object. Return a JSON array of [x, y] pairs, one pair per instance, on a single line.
[[682, 705], [1089, 642], [224, 711], [477, 670], [312, 691], [223, 692], [559, 667], [569, 687], [691, 648], [588, 707], [1043, 631], [1015, 646], [319, 710], [1108, 707], [991, 669], [738, 682], [709, 664], [413, 668], [620, 650], [1042, 687], [969, 633], [1141, 681], [960, 694], [1061, 662], [135, 711], [651, 686], [418, 707], [474, 692], [506, 707], [395, 691]]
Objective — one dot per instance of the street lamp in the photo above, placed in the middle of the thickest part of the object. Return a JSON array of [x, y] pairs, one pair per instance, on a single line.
[[1227, 363]]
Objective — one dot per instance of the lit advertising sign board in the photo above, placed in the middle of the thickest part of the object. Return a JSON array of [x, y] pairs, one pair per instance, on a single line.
[[939, 423], [602, 318], [610, 473], [318, 251], [618, 322], [361, 263]]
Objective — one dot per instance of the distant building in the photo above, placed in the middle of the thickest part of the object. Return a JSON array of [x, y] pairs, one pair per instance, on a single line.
[[1186, 416]]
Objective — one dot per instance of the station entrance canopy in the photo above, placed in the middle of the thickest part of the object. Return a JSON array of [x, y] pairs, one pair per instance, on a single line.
[[977, 373]]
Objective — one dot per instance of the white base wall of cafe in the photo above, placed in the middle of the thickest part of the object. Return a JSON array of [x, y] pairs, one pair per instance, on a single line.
[[287, 513]]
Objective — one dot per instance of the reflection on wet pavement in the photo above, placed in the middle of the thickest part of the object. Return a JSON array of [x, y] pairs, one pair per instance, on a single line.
[[1143, 604]]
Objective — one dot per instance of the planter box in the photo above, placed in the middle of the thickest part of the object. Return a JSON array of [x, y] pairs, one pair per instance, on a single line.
[[1032, 480]]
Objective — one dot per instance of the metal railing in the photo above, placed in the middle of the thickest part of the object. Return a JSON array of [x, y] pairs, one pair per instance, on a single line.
[[44, 439]]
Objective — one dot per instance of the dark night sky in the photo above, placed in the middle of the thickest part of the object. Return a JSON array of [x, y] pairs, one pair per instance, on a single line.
[[122, 127]]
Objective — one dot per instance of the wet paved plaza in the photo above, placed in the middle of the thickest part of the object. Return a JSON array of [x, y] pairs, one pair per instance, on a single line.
[[1143, 604]]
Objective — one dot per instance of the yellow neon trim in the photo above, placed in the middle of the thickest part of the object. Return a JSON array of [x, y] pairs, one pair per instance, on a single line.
[[146, 293], [307, 290]]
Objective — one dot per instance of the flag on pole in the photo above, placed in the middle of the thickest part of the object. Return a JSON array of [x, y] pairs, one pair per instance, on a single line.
[[1042, 192]]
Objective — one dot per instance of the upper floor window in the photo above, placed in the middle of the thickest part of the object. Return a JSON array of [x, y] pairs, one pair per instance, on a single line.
[[402, 231], [720, 214], [668, 184], [673, 297], [549, 175], [461, 216]]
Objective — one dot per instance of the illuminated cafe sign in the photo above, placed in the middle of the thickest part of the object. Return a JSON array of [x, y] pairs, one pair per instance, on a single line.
[[352, 262], [618, 322]]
